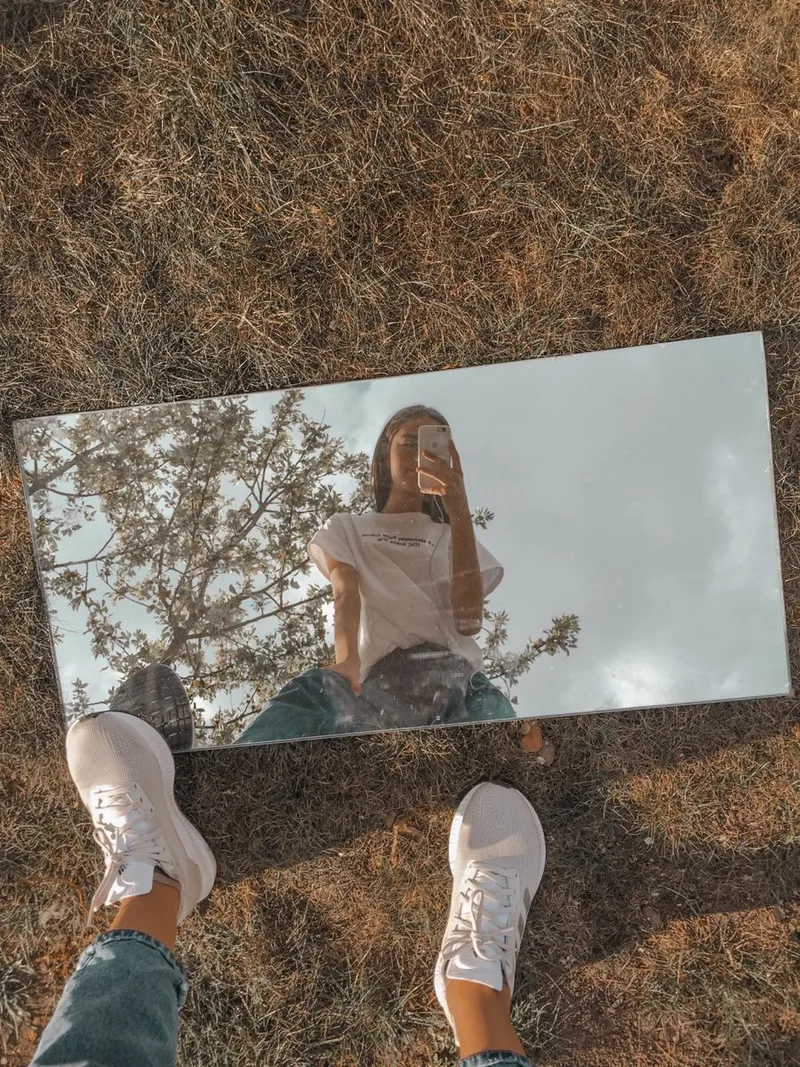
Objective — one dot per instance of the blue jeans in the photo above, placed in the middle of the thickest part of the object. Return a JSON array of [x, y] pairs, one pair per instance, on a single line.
[[120, 1009], [402, 690]]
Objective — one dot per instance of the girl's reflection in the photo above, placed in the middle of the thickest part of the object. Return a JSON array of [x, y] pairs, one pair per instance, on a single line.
[[409, 582]]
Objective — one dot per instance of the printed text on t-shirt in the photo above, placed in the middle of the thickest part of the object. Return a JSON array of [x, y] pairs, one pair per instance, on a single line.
[[396, 539]]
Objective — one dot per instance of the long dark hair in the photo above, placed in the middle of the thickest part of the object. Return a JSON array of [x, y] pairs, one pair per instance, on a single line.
[[381, 472]]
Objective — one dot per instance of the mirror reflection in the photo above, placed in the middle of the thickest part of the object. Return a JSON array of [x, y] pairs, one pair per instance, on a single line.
[[543, 537]]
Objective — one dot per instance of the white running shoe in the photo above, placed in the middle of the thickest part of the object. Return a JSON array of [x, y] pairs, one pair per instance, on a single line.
[[497, 856], [124, 772]]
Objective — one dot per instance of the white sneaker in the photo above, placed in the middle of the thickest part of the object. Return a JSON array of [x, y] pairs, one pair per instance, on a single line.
[[124, 772], [497, 856]]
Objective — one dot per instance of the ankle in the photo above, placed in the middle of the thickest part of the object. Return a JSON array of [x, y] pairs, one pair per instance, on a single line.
[[154, 913], [481, 1017], [476, 991], [164, 879]]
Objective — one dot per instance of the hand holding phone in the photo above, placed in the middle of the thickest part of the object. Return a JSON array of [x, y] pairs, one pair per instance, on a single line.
[[434, 439]]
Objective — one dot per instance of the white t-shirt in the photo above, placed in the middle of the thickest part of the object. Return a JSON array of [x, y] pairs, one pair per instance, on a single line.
[[404, 568]]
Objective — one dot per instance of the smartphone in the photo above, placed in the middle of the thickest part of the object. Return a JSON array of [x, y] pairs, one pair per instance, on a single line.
[[434, 439]]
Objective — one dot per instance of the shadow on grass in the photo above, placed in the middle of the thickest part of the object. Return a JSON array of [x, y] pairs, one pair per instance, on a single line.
[[281, 805], [20, 19]]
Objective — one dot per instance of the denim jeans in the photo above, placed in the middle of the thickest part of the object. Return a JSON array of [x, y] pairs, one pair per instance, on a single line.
[[120, 1009], [414, 687]]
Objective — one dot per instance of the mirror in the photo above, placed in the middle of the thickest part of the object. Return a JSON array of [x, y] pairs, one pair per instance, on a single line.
[[597, 532]]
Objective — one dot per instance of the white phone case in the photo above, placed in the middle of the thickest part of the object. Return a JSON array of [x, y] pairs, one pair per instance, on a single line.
[[435, 439]]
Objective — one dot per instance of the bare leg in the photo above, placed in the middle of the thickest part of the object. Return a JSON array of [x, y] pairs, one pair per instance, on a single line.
[[482, 1017], [154, 913]]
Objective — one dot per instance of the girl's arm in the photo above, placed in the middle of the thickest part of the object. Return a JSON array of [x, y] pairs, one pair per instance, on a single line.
[[467, 585], [346, 619]]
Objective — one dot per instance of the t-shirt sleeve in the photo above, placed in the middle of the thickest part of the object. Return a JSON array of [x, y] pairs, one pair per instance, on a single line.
[[491, 569], [331, 539]]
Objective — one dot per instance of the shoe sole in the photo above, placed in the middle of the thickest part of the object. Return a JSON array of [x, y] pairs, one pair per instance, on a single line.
[[158, 696], [194, 844], [458, 819]]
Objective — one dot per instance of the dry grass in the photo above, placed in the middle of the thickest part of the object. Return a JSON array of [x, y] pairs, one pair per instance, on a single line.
[[218, 197]]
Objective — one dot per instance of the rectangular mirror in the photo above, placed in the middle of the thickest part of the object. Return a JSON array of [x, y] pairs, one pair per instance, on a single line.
[[601, 535]]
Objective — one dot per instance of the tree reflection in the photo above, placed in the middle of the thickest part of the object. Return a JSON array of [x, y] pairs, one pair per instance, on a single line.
[[198, 515]]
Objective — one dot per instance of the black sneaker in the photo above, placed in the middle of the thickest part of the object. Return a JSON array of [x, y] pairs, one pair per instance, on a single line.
[[155, 694]]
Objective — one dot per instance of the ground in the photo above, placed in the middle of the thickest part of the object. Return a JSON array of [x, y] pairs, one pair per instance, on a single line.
[[200, 198]]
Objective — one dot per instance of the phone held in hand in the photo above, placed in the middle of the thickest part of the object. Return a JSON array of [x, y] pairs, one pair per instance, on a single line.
[[436, 440]]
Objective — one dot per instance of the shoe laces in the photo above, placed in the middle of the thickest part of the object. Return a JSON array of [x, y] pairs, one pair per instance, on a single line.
[[127, 835], [488, 930]]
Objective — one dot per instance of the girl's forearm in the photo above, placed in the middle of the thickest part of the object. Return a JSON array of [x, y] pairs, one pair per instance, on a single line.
[[346, 620], [467, 587]]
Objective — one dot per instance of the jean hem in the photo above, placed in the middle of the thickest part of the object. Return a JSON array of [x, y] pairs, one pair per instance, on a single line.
[[182, 979], [496, 1058]]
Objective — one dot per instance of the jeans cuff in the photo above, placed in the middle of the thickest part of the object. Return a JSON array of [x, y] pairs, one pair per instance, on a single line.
[[181, 981], [498, 1058]]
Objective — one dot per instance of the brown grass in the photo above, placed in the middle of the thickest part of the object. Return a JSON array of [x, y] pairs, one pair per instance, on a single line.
[[206, 198]]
